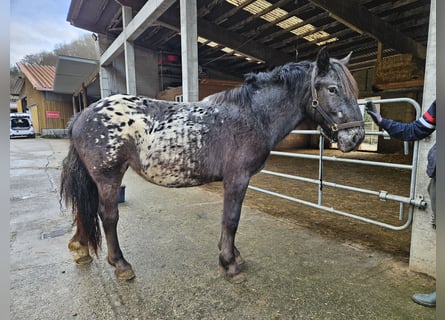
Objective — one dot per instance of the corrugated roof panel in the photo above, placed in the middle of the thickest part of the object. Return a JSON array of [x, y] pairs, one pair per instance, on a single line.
[[289, 22], [236, 2], [41, 77], [18, 85], [274, 14], [260, 5], [257, 6], [304, 29]]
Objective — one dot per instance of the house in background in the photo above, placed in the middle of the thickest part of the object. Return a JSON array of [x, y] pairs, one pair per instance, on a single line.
[[36, 96], [53, 94]]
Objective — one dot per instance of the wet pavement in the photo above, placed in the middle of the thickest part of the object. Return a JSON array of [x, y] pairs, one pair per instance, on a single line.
[[170, 236]]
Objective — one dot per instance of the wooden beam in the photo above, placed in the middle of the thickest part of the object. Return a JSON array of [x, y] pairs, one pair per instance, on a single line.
[[360, 19], [379, 51], [417, 83], [232, 40], [141, 21]]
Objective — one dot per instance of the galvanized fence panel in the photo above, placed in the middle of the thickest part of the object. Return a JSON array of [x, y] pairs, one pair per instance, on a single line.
[[411, 200]]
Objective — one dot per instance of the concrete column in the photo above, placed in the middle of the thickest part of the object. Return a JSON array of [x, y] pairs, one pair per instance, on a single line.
[[189, 50], [423, 236], [84, 95], [105, 81], [73, 101], [130, 62]]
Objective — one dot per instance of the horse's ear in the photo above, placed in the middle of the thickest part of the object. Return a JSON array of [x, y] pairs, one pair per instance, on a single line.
[[323, 60], [249, 78], [346, 59]]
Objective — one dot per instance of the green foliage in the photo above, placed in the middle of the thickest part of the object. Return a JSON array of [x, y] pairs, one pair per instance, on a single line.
[[83, 47]]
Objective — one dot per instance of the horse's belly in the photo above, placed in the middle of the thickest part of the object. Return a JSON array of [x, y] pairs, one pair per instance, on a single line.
[[174, 159], [170, 179], [171, 173]]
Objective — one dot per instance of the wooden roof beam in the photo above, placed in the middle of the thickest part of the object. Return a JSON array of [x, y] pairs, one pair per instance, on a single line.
[[231, 39], [359, 18]]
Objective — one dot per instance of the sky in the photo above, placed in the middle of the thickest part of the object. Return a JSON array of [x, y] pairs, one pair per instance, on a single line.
[[37, 26]]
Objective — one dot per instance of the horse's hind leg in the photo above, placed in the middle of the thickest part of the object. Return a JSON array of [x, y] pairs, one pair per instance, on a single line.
[[109, 213], [79, 246]]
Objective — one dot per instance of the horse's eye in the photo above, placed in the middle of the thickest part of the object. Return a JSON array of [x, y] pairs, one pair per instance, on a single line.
[[332, 89]]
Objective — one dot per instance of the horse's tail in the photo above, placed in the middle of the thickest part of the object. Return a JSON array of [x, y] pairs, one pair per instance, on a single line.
[[80, 191]]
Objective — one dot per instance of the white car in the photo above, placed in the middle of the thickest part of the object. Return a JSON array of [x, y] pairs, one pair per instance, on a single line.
[[21, 125]]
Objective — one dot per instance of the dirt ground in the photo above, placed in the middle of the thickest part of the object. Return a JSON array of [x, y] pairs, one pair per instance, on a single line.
[[352, 231]]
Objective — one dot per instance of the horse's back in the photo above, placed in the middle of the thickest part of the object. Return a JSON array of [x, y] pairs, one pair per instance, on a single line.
[[165, 142]]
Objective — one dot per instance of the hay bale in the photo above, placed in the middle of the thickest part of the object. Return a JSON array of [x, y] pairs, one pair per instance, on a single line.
[[397, 68]]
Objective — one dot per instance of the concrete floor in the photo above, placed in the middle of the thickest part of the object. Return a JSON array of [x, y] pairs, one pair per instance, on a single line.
[[170, 236]]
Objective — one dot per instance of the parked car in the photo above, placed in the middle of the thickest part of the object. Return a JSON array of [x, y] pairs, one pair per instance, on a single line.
[[21, 125]]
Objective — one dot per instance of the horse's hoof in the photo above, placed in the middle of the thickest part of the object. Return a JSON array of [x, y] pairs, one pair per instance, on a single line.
[[236, 279], [81, 252], [125, 275], [239, 260], [233, 274], [83, 260]]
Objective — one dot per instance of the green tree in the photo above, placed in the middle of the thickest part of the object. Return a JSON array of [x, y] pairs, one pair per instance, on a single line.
[[83, 47]]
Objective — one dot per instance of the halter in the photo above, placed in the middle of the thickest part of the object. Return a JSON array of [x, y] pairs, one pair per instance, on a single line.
[[335, 127]]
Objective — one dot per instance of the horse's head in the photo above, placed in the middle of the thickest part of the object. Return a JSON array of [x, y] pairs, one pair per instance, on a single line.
[[334, 101]]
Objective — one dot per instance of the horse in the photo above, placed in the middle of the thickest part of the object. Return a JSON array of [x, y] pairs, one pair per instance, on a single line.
[[225, 137]]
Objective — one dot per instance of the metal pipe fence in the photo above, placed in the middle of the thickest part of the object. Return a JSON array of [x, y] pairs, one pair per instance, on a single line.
[[411, 201]]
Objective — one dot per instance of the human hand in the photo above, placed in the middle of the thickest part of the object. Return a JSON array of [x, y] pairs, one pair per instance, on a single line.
[[372, 111]]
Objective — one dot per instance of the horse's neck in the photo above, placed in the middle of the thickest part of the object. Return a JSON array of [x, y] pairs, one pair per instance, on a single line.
[[281, 118], [284, 125]]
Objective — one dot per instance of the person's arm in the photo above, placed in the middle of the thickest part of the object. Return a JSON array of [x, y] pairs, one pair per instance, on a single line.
[[415, 130]]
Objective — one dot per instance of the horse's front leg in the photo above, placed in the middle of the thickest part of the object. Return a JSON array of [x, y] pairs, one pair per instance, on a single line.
[[109, 213], [234, 192]]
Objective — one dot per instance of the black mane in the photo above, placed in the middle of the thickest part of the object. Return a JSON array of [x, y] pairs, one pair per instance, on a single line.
[[290, 75]]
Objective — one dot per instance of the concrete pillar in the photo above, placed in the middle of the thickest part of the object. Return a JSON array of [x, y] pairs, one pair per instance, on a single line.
[[84, 95], [105, 81], [130, 62], [189, 50], [73, 100], [423, 236]]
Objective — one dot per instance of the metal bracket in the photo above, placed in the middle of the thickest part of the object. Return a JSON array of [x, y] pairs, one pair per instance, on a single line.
[[383, 195], [419, 202]]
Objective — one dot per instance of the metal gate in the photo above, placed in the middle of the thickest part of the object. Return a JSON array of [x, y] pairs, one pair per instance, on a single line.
[[382, 195]]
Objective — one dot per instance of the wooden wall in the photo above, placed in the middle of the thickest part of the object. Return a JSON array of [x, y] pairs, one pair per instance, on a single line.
[[206, 88], [39, 102]]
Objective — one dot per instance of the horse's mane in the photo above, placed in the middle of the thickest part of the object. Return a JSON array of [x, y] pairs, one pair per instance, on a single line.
[[290, 75]]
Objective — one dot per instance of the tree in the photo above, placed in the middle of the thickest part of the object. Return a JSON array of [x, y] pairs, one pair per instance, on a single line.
[[46, 58], [83, 47]]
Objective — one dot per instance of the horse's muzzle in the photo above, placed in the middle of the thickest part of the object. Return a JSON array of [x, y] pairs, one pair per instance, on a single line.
[[350, 139]]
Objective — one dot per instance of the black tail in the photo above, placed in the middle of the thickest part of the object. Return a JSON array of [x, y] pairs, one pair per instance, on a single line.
[[78, 189]]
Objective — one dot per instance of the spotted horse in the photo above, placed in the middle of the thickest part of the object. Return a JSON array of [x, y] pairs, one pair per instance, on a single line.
[[225, 137]]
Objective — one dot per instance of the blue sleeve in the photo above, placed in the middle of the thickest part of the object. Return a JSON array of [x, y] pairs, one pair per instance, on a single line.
[[415, 130]]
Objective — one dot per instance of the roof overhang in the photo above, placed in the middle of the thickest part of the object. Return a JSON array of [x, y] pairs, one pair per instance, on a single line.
[[73, 72]]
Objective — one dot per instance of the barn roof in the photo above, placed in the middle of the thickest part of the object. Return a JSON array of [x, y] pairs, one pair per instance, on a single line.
[[239, 36], [66, 77], [41, 77], [72, 72]]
